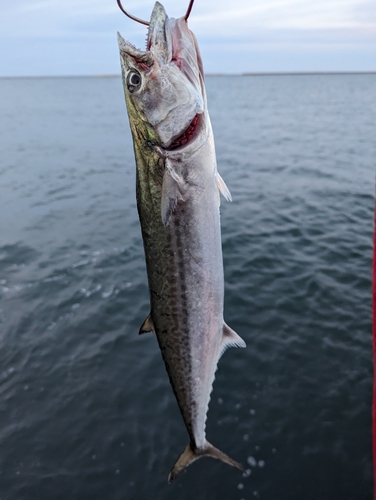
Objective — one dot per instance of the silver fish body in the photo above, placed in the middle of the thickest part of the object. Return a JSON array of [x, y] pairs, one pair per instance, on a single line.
[[178, 189]]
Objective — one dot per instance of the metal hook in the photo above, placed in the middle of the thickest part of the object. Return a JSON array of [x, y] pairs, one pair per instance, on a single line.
[[189, 10], [130, 15], [146, 22]]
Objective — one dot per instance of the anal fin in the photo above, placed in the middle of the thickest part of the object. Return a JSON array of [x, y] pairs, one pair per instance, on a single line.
[[147, 326], [230, 339]]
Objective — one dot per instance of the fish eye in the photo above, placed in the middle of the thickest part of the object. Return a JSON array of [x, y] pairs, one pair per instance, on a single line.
[[133, 81]]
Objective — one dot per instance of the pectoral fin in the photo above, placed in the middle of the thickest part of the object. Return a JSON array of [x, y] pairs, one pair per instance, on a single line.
[[221, 185], [147, 326], [230, 339], [172, 192]]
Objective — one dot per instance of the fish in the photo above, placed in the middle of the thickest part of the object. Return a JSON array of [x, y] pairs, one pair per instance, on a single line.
[[178, 197]]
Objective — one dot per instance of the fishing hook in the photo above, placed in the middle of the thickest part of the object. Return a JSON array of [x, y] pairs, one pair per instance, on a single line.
[[130, 15], [189, 10], [146, 22]]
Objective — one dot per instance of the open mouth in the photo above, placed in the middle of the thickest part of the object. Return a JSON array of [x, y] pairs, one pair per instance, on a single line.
[[187, 135]]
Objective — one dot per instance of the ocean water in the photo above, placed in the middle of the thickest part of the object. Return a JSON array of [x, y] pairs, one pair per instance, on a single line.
[[86, 408]]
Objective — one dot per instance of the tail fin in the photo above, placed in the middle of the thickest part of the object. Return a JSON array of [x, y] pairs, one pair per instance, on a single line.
[[190, 454]]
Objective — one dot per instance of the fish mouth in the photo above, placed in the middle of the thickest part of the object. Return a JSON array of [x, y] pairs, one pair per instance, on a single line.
[[189, 134]]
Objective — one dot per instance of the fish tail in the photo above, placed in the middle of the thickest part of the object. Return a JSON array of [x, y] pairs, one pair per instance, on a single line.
[[191, 453]]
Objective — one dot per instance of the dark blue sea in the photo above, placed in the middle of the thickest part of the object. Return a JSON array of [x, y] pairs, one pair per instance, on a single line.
[[86, 408]]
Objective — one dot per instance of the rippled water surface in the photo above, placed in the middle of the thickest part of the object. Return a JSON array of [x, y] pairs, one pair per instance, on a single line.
[[86, 408]]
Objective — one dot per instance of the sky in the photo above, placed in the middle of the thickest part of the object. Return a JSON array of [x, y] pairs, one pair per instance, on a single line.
[[78, 37]]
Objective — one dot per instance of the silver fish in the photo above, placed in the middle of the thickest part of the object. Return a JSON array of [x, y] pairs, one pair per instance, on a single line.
[[178, 191]]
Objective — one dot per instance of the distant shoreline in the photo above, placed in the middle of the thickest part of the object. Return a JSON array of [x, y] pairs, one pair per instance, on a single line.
[[256, 73]]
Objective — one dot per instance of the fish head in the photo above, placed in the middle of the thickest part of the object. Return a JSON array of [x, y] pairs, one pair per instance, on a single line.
[[163, 85]]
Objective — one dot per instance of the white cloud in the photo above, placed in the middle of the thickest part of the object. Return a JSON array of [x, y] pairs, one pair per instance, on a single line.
[[288, 14]]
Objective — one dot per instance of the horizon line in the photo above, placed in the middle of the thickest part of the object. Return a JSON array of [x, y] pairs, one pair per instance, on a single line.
[[247, 73]]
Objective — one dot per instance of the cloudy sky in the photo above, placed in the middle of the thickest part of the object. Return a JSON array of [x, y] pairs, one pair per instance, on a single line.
[[78, 37]]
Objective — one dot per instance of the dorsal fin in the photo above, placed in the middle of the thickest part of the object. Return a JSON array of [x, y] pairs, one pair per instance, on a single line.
[[230, 339], [147, 326]]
